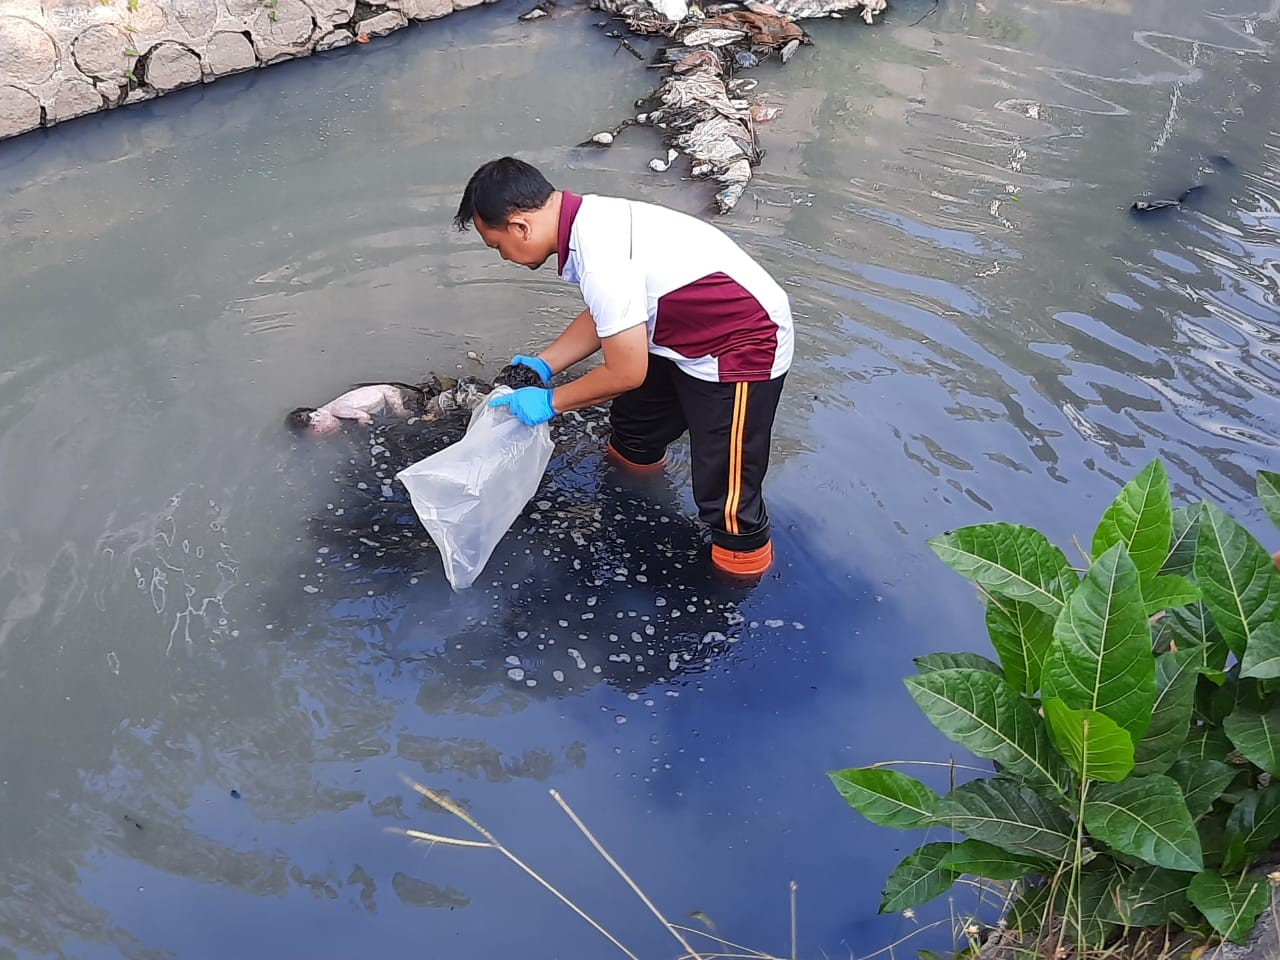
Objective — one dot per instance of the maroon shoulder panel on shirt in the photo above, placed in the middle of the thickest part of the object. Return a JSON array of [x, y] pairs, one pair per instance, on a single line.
[[717, 317], [569, 204]]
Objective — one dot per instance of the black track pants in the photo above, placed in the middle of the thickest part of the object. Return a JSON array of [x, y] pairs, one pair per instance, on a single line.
[[730, 427]]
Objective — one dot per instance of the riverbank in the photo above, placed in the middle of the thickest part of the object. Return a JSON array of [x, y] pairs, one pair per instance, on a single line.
[[67, 59], [62, 59]]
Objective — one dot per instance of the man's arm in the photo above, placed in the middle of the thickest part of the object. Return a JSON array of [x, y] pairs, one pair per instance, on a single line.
[[626, 362], [578, 342]]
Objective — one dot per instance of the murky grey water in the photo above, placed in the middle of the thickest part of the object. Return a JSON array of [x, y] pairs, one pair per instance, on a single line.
[[187, 607]]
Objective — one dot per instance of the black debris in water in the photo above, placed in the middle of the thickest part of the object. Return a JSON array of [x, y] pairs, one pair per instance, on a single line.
[[1211, 164], [1165, 203]]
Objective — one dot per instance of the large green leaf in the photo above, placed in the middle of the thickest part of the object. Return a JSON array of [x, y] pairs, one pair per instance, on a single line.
[[1240, 584], [1269, 494], [1262, 656], [886, 797], [980, 859], [1168, 592], [1145, 817], [950, 661], [1176, 674], [918, 878], [1216, 702], [1009, 815], [981, 712], [1140, 518], [1009, 560], [1149, 897], [1182, 546], [1212, 830], [1101, 655], [1021, 634], [1092, 743], [1192, 626], [1233, 905], [1256, 734], [1255, 820], [1202, 782], [1206, 743]]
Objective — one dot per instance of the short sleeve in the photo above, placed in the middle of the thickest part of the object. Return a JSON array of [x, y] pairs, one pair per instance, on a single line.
[[616, 298]]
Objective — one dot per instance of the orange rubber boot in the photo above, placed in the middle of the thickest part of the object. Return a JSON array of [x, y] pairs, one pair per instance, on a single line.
[[743, 563], [637, 467]]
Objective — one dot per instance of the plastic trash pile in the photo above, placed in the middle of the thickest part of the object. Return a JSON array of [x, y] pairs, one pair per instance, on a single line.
[[702, 108]]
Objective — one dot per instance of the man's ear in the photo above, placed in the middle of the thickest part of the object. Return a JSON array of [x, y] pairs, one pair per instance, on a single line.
[[520, 226]]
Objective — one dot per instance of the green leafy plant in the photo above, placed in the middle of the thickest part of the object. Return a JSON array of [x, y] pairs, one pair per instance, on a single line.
[[1133, 720], [131, 71]]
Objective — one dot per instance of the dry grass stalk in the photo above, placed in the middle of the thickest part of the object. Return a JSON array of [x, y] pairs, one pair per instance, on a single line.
[[726, 949], [451, 841], [451, 807], [608, 858], [794, 888], [744, 951]]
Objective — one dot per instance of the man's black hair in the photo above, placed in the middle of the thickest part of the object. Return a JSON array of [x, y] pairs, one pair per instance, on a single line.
[[500, 188]]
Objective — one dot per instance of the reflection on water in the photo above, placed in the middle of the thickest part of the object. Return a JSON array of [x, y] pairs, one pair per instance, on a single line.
[[220, 649]]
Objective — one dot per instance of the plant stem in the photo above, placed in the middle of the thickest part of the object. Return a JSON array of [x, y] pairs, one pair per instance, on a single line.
[[951, 764], [901, 940], [794, 887], [724, 943], [1077, 868], [622, 873], [466, 818]]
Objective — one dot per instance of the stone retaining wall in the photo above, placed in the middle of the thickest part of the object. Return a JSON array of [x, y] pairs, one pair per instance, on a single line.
[[61, 59]]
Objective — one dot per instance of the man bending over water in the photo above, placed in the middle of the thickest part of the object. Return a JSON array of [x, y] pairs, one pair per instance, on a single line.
[[696, 336]]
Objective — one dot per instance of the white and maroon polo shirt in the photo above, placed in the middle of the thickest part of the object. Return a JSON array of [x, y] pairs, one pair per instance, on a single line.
[[708, 306]]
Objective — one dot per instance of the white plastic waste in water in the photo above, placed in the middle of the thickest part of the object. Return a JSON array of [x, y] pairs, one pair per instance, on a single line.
[[675, 10], [468, 494]]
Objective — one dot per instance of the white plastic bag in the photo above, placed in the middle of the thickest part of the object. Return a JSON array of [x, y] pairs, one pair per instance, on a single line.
[[468, 494]]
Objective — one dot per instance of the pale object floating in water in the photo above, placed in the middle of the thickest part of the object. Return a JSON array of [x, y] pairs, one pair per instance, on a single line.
[[658, 165], [713, 37], [674, 10], [807, 9]]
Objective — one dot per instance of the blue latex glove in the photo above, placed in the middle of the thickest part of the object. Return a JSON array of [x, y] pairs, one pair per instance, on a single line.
[[536, 364], [532, 405]]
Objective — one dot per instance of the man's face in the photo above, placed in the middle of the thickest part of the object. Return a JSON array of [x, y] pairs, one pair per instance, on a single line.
[[514, 242]]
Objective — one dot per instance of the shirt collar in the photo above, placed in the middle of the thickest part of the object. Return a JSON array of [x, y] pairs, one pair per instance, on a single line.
[[569, 204]]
